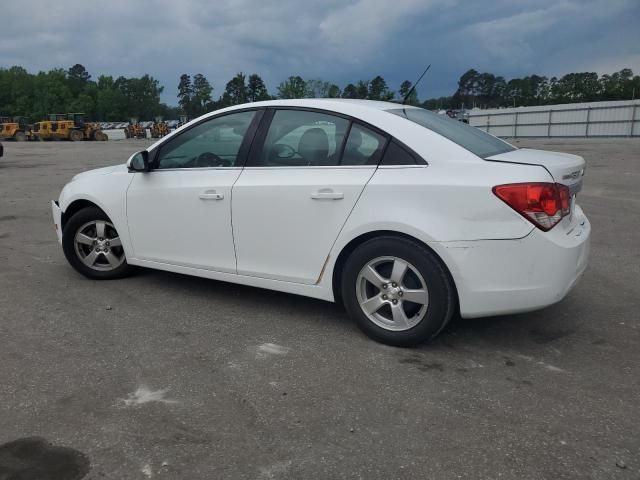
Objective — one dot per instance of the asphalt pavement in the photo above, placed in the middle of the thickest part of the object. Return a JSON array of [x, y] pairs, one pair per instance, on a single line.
[[167, 376]]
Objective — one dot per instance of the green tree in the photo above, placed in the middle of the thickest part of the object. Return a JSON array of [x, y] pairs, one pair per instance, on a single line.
[[350, 91], [235, 91], [78, 77], [321, 89], [334, 91], [51, 93], [405, 88], [362, 89], [293, 87], [201, 99], [185, 94], [256, 89], [379, 90]]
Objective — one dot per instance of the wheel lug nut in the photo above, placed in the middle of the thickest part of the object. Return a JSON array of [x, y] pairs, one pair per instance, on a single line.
[[385, 286], [399, 294], [384, 297], [394, 285], [395, 302]]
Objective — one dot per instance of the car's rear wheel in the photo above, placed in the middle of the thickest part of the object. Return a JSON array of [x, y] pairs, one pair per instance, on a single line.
[[93, 247], [397, 291]]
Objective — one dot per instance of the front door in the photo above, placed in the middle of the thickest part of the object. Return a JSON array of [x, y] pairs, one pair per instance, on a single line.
[[297, 191], [179, 213]]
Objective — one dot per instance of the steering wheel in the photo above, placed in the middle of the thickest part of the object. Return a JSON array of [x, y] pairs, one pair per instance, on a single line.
[[208, 159]]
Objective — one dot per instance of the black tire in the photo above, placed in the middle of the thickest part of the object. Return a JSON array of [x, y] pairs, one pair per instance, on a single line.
[[442, 298], [75, 223], [76, 135], [20, 136]]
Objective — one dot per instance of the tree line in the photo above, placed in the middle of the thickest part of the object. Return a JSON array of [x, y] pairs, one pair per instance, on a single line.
[[73, 90], [116, 99], [196, 94], [486, 90]]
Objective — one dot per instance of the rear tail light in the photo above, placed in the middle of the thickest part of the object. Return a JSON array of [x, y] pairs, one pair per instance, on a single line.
[[543, 204]]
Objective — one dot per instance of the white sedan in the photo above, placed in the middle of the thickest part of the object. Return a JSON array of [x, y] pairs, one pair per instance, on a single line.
[[405, 216]]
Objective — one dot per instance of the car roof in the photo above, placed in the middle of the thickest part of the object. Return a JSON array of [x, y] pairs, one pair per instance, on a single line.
[[328, 103]]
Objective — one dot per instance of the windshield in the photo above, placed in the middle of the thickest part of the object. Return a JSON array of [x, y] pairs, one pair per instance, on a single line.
[[471, 138]]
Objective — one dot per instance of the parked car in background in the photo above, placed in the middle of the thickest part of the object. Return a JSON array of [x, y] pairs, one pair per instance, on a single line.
[[405, 216]]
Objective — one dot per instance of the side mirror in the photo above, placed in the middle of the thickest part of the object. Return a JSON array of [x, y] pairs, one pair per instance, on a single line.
[[139, 162]]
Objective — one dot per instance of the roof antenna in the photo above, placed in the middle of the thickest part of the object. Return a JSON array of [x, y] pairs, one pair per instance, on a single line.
[[406, 97]]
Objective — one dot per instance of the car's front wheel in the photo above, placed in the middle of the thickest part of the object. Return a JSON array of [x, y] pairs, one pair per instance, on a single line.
[[397, 291], [93, 247]]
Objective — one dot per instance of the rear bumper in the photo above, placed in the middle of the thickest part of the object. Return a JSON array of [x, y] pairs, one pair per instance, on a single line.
[[57, 219], [497, 277]]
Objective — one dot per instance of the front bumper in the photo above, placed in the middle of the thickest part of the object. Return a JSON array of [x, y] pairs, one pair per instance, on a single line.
[[498, 277], [57, 219]]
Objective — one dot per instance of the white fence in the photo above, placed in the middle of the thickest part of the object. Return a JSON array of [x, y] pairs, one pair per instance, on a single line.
[[597, 119]]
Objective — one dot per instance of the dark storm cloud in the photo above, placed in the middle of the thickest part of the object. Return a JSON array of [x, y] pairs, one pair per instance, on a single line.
[[329, 39]]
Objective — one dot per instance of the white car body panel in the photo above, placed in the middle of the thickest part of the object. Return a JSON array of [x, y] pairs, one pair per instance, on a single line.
[[107, 189], [267, 232], [192, 223], [57, 220], [302, 208]]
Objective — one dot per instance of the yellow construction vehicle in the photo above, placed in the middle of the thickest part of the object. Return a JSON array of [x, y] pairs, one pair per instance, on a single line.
[[159, 128], [68, 127], [16, 128], [58, 127], [135, 129], [90, 130]]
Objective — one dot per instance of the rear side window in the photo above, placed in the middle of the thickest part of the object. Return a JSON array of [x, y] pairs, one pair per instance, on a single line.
[[473, 139], [363, 147], [298, 138], [396, 154]]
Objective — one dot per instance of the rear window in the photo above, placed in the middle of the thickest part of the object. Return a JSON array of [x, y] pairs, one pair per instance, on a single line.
[[471, 138]]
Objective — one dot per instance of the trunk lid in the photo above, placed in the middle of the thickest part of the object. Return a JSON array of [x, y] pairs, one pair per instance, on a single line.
[[564, 168]]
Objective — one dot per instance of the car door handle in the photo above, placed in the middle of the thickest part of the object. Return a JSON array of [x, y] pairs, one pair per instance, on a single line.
[[326, 194], [211, 195]]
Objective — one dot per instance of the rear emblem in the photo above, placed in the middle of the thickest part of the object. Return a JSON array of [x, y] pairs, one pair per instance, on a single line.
[[573, 175]]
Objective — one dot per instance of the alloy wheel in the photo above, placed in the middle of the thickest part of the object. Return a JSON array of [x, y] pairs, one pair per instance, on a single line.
[[98, 246], [392, 293]]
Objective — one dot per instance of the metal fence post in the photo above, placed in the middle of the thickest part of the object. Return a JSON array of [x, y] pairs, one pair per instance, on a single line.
[[515, 127], [633, 119], [586, 125], [549, 124]]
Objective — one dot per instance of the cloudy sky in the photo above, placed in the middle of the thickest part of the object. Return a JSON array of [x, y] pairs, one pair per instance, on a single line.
[[337, 40]]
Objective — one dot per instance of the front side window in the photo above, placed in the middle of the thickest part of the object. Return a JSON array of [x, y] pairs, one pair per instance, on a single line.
[[213, 143], [302, 138], [473, 139]]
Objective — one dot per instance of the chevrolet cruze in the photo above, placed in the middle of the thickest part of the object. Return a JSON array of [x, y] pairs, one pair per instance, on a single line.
[[404, 216]]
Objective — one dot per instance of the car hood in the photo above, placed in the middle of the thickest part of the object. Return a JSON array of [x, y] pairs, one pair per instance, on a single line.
[[100, 171]]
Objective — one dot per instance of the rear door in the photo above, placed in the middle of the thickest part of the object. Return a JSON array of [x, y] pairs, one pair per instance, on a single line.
[[305, 173]]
